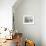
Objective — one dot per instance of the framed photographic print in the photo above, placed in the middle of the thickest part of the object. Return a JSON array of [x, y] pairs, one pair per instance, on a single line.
[[28, 19]]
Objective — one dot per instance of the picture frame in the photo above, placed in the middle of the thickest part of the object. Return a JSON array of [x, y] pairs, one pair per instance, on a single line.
[[28, 19]]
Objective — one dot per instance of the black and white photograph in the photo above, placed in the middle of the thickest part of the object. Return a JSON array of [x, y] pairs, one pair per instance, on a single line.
[[28, 19]]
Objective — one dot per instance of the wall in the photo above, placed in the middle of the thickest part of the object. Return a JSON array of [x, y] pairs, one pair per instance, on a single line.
[[40, 18], [6, 13], [43, 22], [6, 18], [29, 7]]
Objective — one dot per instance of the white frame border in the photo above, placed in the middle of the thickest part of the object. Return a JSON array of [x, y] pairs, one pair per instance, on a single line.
[[28, 16]]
